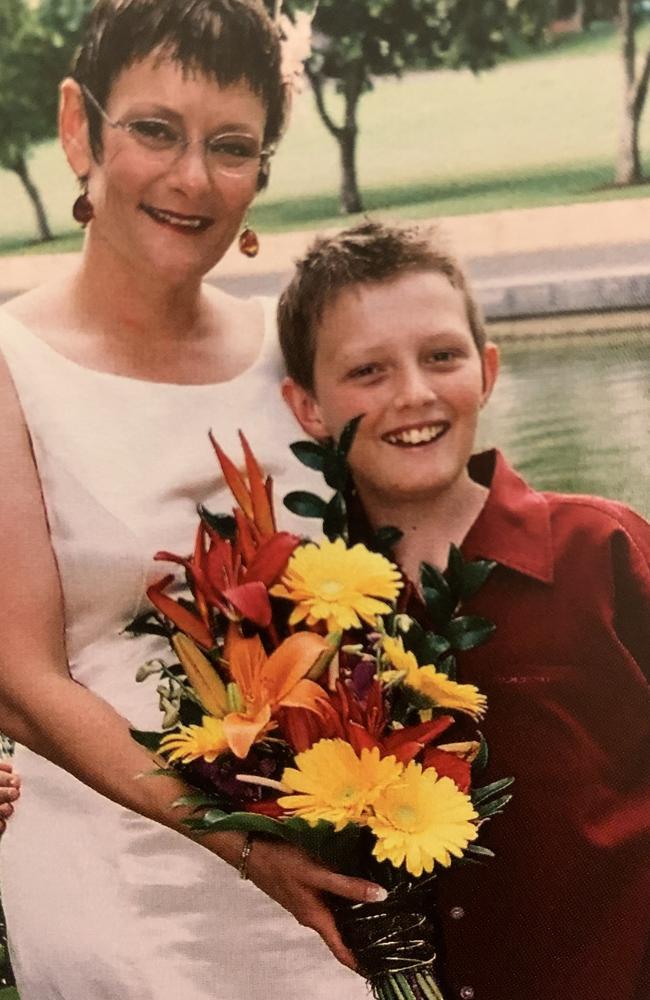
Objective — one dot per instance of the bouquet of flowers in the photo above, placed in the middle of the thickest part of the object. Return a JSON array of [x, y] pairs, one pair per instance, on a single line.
[[305, 703]]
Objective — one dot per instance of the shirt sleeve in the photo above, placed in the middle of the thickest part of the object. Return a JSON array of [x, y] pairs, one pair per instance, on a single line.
[[631, 580]]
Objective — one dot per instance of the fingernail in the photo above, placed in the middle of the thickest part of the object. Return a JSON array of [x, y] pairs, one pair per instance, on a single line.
[[14, 781], [376, 894]]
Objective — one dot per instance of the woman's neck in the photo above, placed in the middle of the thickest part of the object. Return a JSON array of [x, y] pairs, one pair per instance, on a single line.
[[111, 296], [430, 525]]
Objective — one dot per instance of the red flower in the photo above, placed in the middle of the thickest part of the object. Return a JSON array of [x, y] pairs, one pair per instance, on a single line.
[[361, 723], [232, 577]]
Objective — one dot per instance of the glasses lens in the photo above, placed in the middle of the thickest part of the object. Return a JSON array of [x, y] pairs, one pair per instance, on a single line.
[[233, 154], [155, 134]]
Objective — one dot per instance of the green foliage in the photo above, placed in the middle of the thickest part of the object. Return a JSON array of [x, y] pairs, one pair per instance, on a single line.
[[35, 49], [356, 41], [330, 458], [390, 36], [321, 841]]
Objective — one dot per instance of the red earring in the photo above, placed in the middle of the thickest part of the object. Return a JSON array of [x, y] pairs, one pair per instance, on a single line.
[[249, 244], [82, 210]]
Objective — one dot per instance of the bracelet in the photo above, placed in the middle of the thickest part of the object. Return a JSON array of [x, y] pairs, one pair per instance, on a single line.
[[244, 856]]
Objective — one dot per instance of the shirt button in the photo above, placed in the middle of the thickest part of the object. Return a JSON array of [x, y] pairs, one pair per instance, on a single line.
[[457, 913], [467, 993]]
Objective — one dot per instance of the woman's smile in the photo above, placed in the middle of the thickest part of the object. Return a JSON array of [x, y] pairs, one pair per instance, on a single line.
[[186, 224]]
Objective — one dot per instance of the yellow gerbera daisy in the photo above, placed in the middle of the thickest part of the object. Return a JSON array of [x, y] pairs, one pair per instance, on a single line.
[[191, 742], [436, 686], [421, 819], [340, 586], [334, 784]]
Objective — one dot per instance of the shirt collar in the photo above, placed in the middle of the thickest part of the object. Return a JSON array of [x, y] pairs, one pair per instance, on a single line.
[[514, 527]]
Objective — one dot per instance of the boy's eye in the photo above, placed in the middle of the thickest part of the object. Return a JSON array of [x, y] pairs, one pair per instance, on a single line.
[[443, 357], [364, 371]]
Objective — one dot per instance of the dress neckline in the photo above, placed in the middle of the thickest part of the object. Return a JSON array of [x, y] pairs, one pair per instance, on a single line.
[[25, 334]]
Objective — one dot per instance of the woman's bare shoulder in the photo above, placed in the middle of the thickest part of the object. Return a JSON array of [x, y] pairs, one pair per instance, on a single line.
[[40, 309]]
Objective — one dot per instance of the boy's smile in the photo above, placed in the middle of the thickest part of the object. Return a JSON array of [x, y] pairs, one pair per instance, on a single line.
[[416, 435], [402, 353]]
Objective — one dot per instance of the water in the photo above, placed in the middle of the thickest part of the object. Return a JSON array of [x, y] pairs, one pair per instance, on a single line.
[[573, 414]]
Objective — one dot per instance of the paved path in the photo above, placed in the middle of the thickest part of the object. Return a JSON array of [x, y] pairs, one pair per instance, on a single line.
[[533, 262]]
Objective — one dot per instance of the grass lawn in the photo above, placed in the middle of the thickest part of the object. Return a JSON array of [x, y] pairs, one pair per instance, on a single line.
[[534, 131], [11, 993]]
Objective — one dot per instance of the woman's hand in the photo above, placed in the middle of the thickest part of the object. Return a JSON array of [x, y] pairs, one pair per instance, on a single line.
[[290, 877], [9, 792]]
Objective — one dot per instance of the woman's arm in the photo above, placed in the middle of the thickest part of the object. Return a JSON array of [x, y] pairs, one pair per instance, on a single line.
[[42, 707]]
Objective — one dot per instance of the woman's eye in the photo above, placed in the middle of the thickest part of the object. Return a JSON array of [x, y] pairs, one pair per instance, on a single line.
[[235, 147], [153, 132]]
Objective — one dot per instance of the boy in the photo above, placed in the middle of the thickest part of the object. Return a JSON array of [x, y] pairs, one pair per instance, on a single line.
[[379, 320]]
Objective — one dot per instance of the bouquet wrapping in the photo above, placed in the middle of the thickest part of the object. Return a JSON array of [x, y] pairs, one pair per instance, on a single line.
[[305, 703]]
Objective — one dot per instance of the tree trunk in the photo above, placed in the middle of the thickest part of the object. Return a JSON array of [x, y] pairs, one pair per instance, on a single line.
[[19, 166], [350, 194], [628, 164], [346, 135]]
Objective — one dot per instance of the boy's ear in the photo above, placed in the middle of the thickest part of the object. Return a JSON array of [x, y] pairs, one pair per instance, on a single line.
[[305, 409], [73, 127], [491, 363]]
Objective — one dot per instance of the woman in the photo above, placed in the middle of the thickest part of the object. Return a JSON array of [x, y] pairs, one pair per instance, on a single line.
[[109, 384]]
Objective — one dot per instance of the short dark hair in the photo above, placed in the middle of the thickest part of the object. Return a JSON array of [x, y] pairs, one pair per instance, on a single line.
[[227, 40], [364, 254]]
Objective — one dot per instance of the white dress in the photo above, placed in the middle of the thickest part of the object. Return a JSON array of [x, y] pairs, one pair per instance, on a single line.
[[101, 903]]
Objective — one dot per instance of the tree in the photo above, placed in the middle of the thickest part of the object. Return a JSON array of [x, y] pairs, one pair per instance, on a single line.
[[35, 50], [358, 40], [628, 166]]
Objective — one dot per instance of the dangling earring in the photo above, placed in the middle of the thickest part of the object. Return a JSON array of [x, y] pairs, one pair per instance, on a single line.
[[249, 243], [82, 210]]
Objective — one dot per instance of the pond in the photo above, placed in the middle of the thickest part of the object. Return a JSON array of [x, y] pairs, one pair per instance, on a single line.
[[573, 414]]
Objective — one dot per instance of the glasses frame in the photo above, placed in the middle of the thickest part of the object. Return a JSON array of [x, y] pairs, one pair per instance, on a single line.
[[184, 144]]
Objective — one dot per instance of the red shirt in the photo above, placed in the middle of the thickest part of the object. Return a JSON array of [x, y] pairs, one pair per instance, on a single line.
[[563, 911]]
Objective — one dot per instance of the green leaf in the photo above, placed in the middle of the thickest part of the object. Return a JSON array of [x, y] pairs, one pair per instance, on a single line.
[[469, 631], [447, 665], [146, 624], [433, 579], [480, 851], [335, 470], [385, 539], [310, 453], [491, 808], [439, 606], [147, 739], [489, 791], [195, 800], [217, 819], [305, 504], [224, 524], [432, 648], [437, 595], [334, 522], [480, 762], [348, 434], [467, 578]]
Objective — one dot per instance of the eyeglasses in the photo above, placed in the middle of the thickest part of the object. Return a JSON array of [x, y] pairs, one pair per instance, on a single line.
[[232, 154]]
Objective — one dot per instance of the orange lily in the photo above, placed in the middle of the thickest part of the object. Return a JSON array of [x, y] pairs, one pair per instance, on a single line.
[[232, 576], [362, 724], [255, 498], [268, 683]]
